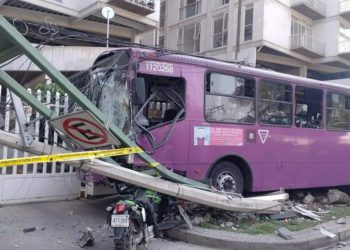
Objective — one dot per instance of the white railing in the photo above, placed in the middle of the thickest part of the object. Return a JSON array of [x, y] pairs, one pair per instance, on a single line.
[[344, 47], [41, 130], [307, 42], [144, 3], [344, 6], [41, 181], [316, 5]]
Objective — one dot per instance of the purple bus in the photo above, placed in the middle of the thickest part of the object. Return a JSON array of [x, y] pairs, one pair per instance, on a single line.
[[246, 129]]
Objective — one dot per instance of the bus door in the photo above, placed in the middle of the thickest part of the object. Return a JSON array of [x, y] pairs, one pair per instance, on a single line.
[[159, 125]]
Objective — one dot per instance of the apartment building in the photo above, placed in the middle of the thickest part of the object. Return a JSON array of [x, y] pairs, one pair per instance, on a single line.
[[309, 38], [74, 31]]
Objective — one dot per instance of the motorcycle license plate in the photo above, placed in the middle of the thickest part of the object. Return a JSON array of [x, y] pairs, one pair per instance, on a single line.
[[120, 220]]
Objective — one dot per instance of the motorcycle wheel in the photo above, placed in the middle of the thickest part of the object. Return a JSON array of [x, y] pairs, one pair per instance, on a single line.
[[127, 241]]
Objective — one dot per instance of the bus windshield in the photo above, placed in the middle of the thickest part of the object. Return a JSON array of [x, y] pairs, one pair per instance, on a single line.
[[110, 87]]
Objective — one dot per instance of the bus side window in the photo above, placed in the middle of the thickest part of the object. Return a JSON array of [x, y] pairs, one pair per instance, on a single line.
[[230, 99], [338, 112], [308, 108], [275, 103]]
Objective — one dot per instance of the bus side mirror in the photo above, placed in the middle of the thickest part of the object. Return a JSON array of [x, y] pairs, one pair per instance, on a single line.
[[140, 91]]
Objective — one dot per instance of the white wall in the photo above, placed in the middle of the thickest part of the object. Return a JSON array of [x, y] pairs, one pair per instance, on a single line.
[[332, 7], [342, 81], [327, 32], [62, 57], [172, 12], [277, 23]]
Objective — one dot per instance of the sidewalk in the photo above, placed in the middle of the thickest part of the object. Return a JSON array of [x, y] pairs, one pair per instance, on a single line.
[[302, 240]]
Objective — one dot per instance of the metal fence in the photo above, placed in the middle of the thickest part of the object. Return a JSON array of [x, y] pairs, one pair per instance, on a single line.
[[307, 42], [316, 5], [42, 181], [344, 6]]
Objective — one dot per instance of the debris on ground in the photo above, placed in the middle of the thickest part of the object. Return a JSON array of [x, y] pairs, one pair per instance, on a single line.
[[306, 212], [309, 198], [29, 229], [342, 221], [283, 215], [272, 197], [327, 233], [336, 196], [87, 239], [284, 233], [302, 210]]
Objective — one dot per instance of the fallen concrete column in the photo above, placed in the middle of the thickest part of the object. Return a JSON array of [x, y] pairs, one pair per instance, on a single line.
[[114, 171]]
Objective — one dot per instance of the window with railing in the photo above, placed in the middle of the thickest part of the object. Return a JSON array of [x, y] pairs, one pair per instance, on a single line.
[[344, 6], [220, 30], [218, 3], [315, 5], [162, 15], [248, 23], [189, 38], [302, 37], [189, 8], [344, 38], [300, 27]]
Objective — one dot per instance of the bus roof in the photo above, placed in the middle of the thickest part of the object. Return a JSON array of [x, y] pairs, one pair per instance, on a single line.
[[173, 56]]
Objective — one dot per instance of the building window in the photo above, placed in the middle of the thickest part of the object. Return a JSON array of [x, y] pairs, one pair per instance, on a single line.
[[338, 111], [189, 8], [189, 38], [275, 103], [248, 23], [161, 41], [230, 99], [218, 3], [308, 107], [220, 31], [300, 27], [162, 15]]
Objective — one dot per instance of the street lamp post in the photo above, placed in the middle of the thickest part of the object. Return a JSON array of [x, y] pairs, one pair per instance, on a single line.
[[108, 13]]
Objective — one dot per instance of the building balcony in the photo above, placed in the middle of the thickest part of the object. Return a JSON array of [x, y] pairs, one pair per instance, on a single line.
[[307, 46], [140, 7], [314, 9], [344, 49], [344, 9]]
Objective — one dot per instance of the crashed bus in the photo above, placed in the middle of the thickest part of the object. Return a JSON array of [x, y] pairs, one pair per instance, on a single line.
[[244, 128]]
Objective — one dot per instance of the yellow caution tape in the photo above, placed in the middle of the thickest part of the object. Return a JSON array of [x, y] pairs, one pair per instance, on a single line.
[[70, 156]]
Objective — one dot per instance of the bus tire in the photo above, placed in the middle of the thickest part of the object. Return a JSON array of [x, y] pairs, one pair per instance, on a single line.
[[226, 176]]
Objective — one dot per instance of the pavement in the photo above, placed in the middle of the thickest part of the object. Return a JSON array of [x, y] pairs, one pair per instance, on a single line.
[[58, 225]]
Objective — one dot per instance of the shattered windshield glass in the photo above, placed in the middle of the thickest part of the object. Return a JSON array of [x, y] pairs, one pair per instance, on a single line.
[[110, 90]]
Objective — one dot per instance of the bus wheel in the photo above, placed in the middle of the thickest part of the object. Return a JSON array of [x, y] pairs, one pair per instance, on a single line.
[[227, 177]]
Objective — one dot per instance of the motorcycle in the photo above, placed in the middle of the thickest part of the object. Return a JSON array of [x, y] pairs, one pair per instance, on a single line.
[[133, 217], [139, 215]]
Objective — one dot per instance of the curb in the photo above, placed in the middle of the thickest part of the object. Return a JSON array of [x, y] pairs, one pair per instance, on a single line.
[[302, 240]]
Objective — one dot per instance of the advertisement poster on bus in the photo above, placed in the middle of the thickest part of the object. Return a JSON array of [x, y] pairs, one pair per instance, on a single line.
[[217, 136]]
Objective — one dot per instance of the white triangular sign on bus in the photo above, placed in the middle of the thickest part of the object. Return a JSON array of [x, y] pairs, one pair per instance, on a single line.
[[263, 135]]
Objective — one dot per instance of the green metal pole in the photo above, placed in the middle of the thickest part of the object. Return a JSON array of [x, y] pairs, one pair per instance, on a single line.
[[22, 44]]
